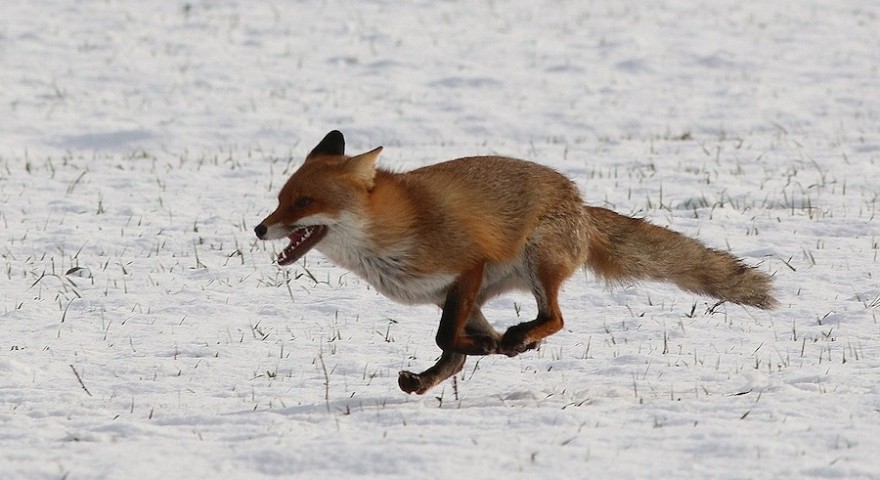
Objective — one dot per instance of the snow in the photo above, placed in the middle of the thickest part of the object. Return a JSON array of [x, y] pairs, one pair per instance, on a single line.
[[141, 142]]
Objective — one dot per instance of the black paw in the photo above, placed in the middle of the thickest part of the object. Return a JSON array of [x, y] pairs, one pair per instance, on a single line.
[[411, 382], [515, 341]]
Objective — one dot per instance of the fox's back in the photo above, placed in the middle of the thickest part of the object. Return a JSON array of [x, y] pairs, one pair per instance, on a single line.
[[487, 205], [513, 191]]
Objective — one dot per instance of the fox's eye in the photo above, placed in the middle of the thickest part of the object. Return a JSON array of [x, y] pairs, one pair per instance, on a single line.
[[303, 202]]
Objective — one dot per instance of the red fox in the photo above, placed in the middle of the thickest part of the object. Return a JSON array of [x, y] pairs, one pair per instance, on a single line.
[[461, 232]]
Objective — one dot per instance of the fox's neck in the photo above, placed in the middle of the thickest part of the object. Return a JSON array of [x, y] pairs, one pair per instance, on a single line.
[[383, 225], [378, 244]]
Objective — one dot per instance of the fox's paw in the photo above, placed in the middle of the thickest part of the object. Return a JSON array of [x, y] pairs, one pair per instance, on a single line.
[[515, 341], [411, 382]]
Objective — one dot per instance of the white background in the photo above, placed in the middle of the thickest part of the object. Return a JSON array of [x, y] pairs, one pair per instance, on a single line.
[[141, 142]]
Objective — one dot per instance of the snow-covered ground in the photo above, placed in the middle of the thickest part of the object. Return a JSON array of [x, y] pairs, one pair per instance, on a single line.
[[147, 334]]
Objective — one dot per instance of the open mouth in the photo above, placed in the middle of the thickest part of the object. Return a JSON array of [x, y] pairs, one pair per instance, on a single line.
[[301, 241]]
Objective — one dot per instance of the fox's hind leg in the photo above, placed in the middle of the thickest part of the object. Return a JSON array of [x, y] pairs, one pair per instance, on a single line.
[[450, 362], [546, 275]]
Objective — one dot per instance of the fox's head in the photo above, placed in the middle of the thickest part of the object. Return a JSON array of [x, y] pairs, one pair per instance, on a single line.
[[326, 186]]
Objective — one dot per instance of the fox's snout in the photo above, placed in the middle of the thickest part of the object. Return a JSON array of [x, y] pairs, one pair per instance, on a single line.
[[267, 230]]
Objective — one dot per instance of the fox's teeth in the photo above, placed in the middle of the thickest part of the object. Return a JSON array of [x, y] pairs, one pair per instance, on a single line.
[[301, 240], [306, 234]]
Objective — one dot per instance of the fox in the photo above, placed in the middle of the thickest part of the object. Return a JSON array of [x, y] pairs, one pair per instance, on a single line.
[[459, 233]]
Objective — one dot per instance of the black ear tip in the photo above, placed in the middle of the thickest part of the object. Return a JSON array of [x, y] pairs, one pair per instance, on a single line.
[[332, 144]]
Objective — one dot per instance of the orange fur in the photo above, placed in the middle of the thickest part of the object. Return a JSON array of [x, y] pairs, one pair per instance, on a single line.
[[457, 233]]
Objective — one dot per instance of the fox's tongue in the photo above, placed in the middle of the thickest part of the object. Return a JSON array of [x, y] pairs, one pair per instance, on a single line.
[[301, 241]]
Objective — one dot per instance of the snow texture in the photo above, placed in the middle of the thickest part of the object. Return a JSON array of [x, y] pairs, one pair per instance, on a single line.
[[147, 334]]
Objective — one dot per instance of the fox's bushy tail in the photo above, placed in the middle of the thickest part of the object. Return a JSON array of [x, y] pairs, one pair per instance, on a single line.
[[628, 248]]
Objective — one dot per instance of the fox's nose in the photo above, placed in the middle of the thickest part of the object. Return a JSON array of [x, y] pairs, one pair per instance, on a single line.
[[260, 230]]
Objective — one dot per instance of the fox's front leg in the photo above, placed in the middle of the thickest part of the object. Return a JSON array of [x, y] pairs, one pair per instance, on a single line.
[[450, 363], [463, 331], [453, 334]]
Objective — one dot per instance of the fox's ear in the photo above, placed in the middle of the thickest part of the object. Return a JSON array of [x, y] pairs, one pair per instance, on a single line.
[[332, 144], [363, 166]]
